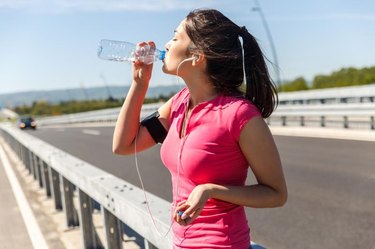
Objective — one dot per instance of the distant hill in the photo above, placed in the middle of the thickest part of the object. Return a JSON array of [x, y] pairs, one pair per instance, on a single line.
[[12, 100]]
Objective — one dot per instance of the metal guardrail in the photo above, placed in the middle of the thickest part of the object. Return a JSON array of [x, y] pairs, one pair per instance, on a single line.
[[346, 115], [349, 94], [121, 203], [106, 115], [62, 175], [350, 115]]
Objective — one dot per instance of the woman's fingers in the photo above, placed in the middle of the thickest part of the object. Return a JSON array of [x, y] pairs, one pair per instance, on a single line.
[[151, 43], [191, 212], [191, 208], [144, 52], [180, 207], [186, 214]]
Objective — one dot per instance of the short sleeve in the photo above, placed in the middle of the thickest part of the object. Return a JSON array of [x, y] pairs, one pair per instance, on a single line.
[[245, 112]]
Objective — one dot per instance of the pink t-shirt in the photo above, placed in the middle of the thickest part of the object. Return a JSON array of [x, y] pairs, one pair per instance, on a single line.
[[208, 153]]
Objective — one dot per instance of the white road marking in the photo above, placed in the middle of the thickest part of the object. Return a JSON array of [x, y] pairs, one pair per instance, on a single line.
[[91, 132], [32, 226]]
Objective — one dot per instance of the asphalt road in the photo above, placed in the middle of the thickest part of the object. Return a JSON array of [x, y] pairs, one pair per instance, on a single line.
[[331, 186]]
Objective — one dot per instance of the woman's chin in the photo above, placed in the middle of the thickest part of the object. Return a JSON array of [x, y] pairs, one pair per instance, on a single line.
[[165, 69]]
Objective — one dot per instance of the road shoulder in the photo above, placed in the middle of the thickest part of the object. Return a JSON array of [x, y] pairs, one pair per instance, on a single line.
[[35, 197]]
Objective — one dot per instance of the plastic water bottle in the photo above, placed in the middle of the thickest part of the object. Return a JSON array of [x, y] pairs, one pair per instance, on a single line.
[[125, 51]]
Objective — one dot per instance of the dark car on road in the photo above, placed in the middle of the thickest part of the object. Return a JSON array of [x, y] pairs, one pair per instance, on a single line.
[[27, 122]]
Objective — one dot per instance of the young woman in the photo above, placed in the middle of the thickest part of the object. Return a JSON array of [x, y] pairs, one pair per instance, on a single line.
[[212, 131]]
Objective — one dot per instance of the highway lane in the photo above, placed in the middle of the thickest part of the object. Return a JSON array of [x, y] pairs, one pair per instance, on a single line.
[[331, 186]]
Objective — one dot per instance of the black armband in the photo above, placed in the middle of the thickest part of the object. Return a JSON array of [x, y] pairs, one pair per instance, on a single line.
[[154, 127]]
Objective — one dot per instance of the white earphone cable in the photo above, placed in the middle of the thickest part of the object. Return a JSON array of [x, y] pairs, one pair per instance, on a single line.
[[144, 191], [178, 172]]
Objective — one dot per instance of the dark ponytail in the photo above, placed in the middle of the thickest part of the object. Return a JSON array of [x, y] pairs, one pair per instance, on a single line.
[[217, 37], [259, 88]]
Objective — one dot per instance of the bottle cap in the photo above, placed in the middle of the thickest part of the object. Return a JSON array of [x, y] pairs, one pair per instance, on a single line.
[[162, 55]]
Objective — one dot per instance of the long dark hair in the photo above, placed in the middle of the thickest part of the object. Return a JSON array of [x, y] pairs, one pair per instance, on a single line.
[[217, 37]]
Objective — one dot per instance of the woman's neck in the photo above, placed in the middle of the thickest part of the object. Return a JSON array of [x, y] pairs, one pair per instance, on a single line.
[[199, 94], [201, 90]]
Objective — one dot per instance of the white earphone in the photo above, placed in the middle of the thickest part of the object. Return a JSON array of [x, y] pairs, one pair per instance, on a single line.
[[193, 58]]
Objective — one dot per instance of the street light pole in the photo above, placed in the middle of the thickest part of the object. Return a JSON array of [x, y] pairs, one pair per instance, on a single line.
[[273, 49]]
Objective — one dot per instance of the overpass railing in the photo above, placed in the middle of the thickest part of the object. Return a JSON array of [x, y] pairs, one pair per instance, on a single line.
[[353, 115], [348, 94], [105, 115], [346, 115], [64, 176]]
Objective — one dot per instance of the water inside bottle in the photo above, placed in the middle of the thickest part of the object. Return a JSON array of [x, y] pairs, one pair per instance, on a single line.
[[127, 52]]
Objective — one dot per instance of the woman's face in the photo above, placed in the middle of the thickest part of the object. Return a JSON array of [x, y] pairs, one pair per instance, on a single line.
[[177, 50]]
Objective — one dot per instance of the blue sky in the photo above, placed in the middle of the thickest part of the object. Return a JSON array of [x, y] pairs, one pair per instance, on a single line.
[[51, 44]]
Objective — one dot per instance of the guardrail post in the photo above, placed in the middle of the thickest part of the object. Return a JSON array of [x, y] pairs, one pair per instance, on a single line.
[[28, 160], [90, 237], [149, 245], [302, 121], [55, 184], [322, 121], [71, 215], [21, 153], [31, 163], [372, 123], [283, 119], [46, 181], [39, 171], [346, 122], [35, 167], [113, 230], [25, 157]]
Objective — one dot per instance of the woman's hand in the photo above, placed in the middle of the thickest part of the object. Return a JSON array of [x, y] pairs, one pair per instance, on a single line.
[[141, 71], [187, 211]]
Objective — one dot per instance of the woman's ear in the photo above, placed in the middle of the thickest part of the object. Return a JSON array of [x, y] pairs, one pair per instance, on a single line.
[[198, 59]]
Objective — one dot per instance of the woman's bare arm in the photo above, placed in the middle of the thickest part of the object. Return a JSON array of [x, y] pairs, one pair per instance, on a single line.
[[128, 128]]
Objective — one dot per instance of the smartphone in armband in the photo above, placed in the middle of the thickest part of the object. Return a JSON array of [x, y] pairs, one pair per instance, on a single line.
[[155, 127]]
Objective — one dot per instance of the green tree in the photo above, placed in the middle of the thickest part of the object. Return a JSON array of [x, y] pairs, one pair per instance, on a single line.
[[299, 84], [345, 77]]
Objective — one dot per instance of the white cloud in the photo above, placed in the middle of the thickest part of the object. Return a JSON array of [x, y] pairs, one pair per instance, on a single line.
[[100, 5]]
